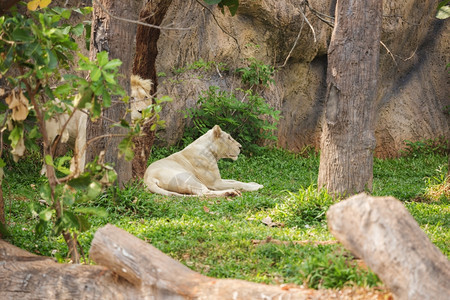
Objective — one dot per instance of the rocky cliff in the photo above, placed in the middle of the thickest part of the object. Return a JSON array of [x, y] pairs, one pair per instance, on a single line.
[[413, 85]]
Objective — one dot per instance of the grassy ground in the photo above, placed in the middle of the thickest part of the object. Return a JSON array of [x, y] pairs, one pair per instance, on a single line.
[[222, 237]]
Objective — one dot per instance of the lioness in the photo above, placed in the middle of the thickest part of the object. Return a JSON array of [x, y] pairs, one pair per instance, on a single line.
[[194, 170]]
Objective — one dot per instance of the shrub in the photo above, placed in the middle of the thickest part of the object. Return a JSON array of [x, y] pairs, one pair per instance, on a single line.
[[430, 146], [249, 120], [257, 73], [307, 207]]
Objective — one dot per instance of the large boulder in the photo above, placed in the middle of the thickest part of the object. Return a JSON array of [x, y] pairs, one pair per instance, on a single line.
[[413, 82]]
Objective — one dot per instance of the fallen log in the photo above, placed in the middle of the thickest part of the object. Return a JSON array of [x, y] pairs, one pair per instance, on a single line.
[[128, 268], [381, 231], [162, 277], [28, 276]]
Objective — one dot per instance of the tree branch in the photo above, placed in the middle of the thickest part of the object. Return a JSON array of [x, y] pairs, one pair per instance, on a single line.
[[137, 22]]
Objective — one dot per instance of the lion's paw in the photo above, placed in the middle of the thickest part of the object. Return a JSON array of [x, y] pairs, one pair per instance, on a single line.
[[253, 186], [233, 193]]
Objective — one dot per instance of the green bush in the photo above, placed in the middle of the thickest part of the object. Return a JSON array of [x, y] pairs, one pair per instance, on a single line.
[[257, 73], [249, 120], [430, 146], [307, 206]]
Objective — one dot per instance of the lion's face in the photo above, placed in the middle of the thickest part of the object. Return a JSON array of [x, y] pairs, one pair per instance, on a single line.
[[140, 95], [224, 145]]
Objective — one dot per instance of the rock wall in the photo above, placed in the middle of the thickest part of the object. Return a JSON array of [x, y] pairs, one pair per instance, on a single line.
[[413, 83]]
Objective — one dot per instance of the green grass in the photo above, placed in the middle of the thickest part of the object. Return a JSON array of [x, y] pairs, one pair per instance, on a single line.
[[216, 236]]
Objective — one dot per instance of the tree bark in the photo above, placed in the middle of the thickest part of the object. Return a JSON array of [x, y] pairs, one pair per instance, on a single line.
[[348, 135], [144, 66], [27, 276], [2, 212], [117, 38], [383, 233]]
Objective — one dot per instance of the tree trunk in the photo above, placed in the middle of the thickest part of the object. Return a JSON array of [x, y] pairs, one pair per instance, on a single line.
[[144, 66], [383, 233], [348, 135], [2, 213], [117, 38]]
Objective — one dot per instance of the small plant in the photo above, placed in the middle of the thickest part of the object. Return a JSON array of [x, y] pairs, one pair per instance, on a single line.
[[332, 270], [437, 186], [33, 50], [247, 120], [304, 208], [257, 73], [244, 114], [430, 146]]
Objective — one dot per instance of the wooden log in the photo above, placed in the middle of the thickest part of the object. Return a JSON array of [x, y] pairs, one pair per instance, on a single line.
[[164, 278], [27, 276], [381, 231], [128, 268]]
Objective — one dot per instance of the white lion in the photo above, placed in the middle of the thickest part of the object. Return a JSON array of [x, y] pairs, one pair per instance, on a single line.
[[74, 133], [194, 171]]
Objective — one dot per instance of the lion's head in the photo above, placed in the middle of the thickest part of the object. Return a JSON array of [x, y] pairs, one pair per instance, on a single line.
[[140, 95], [223, 145]]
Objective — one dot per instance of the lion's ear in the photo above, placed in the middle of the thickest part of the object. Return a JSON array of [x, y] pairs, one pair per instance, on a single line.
[[217, 131]]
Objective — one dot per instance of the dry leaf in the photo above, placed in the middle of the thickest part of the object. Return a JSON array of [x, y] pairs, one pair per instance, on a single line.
[[18, 103], [206, 209], [268, 222]]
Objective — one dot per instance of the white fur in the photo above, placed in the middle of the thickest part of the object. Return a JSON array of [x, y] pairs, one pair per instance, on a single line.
[[75, 131], [194, 170]]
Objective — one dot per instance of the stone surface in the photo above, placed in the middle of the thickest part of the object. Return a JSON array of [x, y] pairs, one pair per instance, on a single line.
[[413, 83]]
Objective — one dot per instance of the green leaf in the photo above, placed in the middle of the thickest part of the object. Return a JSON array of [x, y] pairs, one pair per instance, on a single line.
[[442, 3], [95, 74], [94, 190], [15, 135], [8, 60], [49, 160], [102, 58], [124, 124], [112, 64], [63, 89], [70, 220], [22, 35], [211, 2], [46, 193], [443, 12], [40, 228], [60, 165], [109, 77], [78, 29], [66, 14], [106, 99], [52, 60], [232, 5], [86, 97], [46, 214], [126, 148], [81, 182]]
